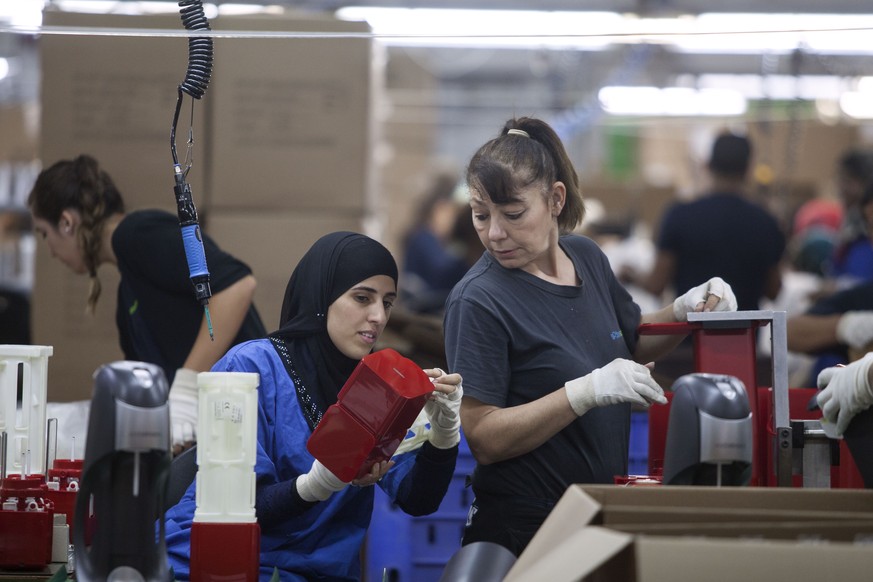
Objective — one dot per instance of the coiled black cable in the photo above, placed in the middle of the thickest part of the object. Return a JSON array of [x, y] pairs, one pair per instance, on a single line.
[[195, 84], [199, 49]]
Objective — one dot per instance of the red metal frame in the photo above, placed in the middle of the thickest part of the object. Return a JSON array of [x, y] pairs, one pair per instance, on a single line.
[[732, 351]]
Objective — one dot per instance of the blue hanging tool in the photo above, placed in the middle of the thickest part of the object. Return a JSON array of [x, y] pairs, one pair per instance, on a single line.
[[195, 84]]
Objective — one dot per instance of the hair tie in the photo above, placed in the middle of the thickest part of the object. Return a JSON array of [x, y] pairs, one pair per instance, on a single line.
[[520, 132]]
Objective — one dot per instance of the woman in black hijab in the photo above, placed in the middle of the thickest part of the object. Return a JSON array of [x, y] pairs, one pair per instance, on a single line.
[[313, 524]]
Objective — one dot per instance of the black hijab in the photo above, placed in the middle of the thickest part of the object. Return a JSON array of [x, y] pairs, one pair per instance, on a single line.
[[332, 266]]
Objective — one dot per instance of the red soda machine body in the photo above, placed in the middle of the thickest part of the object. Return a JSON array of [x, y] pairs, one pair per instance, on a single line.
[[375, 408]]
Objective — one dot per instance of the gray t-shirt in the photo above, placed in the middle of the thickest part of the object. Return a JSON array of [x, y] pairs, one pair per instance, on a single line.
[[514, 338]]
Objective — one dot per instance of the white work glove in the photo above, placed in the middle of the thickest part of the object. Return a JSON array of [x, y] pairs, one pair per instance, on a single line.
[[183, 408], [845, 391], [855, 329], [319, 483], [694, 297], [444, 414], [618, 381]]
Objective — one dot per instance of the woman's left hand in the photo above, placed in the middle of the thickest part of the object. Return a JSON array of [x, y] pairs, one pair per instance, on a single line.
[[443, 382], [377, 471], [714, 295], [443, 408]]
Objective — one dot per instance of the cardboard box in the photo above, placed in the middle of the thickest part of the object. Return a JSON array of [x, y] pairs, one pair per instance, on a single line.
[[605, 500], [20, 123], [82, 342], [291, 116], [272, 243], [103, 96], [596, 554], [570, 546], [112, 97]]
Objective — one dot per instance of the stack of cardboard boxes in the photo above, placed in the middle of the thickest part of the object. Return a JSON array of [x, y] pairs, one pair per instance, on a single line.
[[282, 147], [690, 534]]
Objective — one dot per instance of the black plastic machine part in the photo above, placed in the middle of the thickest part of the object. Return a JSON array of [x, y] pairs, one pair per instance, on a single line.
[[124, 477], [859, 439]]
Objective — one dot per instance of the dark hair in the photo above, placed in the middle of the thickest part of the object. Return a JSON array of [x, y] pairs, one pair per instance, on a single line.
[[441, 189], [80, 185], [730, 156], [867, 196], [510, 162], [857, 164]]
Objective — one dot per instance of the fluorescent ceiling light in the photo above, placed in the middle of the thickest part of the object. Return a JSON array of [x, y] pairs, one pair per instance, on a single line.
[[492, 28], [28, 13], [671, 101], [707, 33], [243, 9], [115, 7], [787, 87], [768, 33], [24, 13], [859, 104]]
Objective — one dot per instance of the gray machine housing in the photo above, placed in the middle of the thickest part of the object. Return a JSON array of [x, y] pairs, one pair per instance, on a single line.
[[709, 432], [124, 477]]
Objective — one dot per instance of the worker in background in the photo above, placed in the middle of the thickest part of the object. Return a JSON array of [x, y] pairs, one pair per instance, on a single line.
[[833, 327], [80, 214], [840, 322], [852, 261], [432, 264], [723, 233]]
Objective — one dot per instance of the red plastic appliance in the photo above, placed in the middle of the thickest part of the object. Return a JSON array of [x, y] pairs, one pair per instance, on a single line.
[[373, 412]]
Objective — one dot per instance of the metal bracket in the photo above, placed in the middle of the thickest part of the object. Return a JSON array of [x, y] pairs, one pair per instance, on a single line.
[[779, 359]]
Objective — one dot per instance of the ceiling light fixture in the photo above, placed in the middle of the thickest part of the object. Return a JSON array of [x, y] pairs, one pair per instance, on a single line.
[[671, 101], [858, 104], [723, 33], [24, 13], [486, 28]]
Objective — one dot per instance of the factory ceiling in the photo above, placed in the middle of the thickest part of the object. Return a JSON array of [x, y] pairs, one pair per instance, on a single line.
[[590, 56]]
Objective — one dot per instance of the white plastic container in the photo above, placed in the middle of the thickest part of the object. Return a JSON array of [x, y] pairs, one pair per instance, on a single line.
[[226, 447], [25, 427]]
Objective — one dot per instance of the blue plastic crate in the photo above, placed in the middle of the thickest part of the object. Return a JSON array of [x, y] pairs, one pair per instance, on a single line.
[[435, 539], [410, 549], [417, 549], [387, 545], [638, 449]]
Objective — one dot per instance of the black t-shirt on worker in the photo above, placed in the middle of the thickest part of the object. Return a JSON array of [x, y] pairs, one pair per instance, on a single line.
[[158, 316], [722, 235], [515, 338]]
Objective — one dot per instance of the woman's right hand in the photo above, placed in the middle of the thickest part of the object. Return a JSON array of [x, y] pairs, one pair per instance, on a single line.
[[377, 471], [619, 381]]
